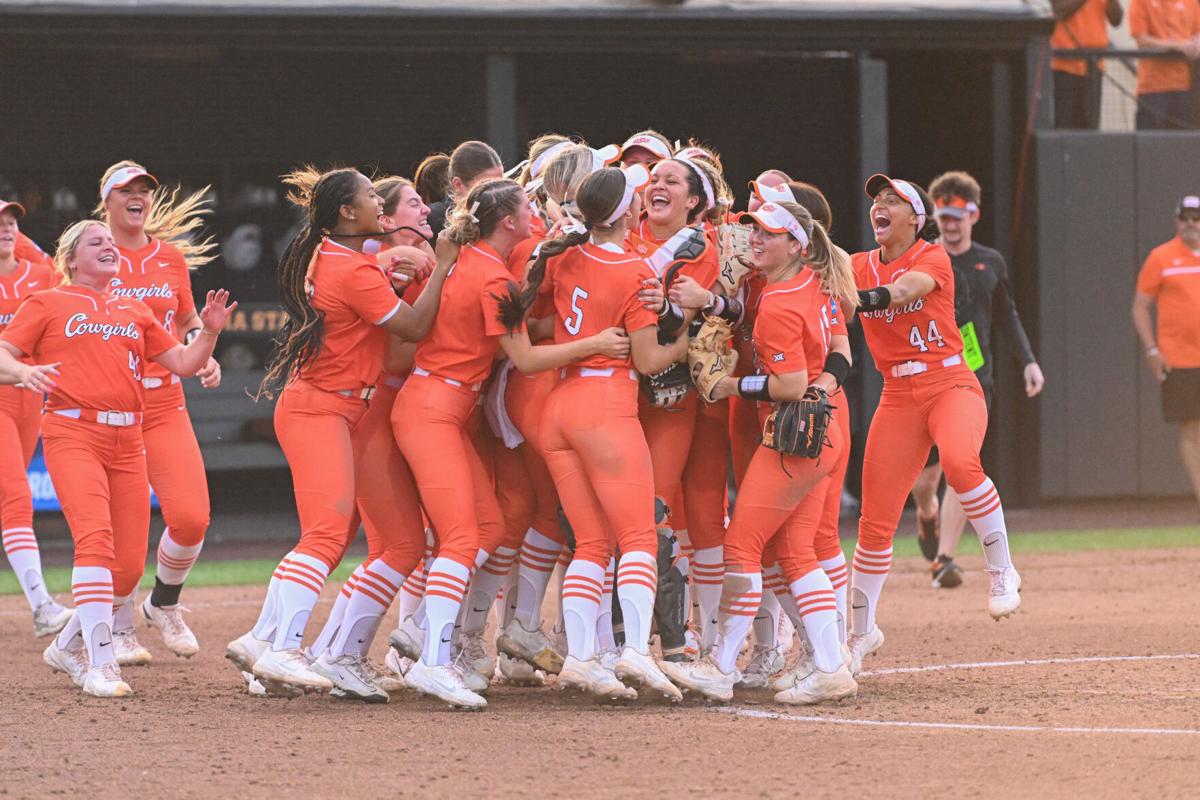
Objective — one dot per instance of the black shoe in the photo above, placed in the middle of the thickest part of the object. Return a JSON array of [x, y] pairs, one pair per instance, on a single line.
[[946, 574], [929, 534]]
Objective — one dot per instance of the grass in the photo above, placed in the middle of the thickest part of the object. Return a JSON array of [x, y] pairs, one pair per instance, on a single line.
[[258, 571]]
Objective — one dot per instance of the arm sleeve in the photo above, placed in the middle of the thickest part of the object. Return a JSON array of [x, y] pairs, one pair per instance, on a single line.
[[158, 341], [1004, 312], [27, 326], [367, 292]]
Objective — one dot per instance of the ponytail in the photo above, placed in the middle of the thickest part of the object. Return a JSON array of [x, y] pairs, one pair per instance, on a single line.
[[516, 302], [174, 220]]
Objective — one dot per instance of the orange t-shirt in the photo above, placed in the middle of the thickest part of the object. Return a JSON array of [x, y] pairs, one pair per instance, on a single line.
[[18, 285], [923, 330], [354, 294], [595, 287], [27, 249], [157, 274], [102, 341], [1164, 19], [462, 343], [703, 270], [1086, 28], [792, 329], [1171, 275]]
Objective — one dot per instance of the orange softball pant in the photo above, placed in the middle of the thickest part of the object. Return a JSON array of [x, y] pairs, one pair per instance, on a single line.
[[944, 407], [430, 420], [668, 433], [525, 401], [175, 465], [597, 453], [705, 487], [828, 543], [20, 419], [745, 434], [99, 474]]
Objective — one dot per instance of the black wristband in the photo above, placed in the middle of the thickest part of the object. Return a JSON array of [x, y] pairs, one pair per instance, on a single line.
[[190, 336], [755, 387], [838, 366], [670, 319], [731, 310], [875, 299]]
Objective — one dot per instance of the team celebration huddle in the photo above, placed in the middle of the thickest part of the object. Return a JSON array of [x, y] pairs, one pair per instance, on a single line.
[[592, 365]]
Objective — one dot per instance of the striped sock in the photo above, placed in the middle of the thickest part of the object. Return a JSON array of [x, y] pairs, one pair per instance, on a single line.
[[21, 547], [92, 590], [982, 506], [539, 553], [564, 561], [444, 591], [413, 590], [299, 587], [817, 604], [870, 572], [604, 615], [774, 583], [373, 592], [741, 594], [583, 588], [175, 561], [264, 628], [337, 614], [484, 587], [708, 567], [637, 582], [838, 573]]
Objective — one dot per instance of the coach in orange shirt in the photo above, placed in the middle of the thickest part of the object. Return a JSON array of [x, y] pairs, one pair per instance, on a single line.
[[1081, 24], [1164, 85], [1170, 279]]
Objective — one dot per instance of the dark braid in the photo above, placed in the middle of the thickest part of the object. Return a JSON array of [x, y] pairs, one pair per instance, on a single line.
[[303, 333]]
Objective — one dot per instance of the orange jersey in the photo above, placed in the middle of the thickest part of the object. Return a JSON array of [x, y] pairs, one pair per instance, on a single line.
[[703, 270], [792, 329], [924, 330], [27, 249], [356, 298], [1171, 275], [595, 287], [157, 274], [462, 343], [18, 285], [1087, 27], [102, 341], [521, 255], [1176, 20]]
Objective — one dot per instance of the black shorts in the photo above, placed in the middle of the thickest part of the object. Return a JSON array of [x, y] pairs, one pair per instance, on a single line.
[[934, 458], [1181, 395]]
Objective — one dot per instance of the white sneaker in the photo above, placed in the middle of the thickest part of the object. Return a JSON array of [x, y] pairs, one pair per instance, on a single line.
[[105, 681], [802, 664], [533, 647], [408, 639], [129, 650], [1005, 596], [245, 650], [590, 676], [50, 618], [641, 669], [765, 662], [608, 659], [705, 677], [474, 661], [177, 636], [862, 645], [445, 683], [288, 672], [253, 687], [383, 677], [818, 687], [349, 677], [71, 660], [516, 672]]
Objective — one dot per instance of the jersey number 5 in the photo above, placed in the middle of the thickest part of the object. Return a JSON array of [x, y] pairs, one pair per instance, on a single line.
[[574, 322], [932, 336]]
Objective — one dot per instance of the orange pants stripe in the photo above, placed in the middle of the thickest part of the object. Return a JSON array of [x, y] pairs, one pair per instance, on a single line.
[[20, 420], [175, 465]]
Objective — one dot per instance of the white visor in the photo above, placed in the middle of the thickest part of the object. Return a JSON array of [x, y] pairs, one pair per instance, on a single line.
[[776, 219], [646, 142], [539, 164], [905, 189], [773, 194], [636, 177], [609, 154], [124, 177]]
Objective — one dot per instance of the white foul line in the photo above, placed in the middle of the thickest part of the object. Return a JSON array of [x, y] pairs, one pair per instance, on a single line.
[[1025, 663]]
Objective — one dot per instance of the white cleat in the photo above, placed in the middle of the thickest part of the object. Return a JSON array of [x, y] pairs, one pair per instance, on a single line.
[[765, 663], [820, 687], [642, 671], [1005, 596], [608, 659], [129, 650], [253, 687], [50, 618], [350, 678], [705, 677], [445, 683], [533, 647], [397, 664], [71, 660], [516, 672], [288, 672], [105, 681], [590, 676], [474, 662], [408, 639], [384, 677], [177, 636], [862, 645], [801, 666], [245, 650]]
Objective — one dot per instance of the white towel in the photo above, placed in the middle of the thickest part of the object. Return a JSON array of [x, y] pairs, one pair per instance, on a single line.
[[496, 413]]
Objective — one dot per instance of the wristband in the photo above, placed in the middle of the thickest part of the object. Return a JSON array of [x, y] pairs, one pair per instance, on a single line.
[[670, 319], [754, 387], [875, 299], [838, 366], [714, 304], [191, 335], [731, 310]]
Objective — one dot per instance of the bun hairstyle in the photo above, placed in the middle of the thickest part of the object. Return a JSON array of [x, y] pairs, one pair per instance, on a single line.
[[472, 158], [599, 195], [432, 178], [814, 200], [830, 264], [322, 196], [68, 243], [477, 215], [172, 218]]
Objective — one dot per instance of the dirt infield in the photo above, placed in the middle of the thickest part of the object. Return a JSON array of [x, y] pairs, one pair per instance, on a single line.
[[1075, 727]]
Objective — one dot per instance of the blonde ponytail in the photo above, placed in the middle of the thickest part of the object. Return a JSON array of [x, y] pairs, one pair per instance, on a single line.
[[173, 219], [832, 266]]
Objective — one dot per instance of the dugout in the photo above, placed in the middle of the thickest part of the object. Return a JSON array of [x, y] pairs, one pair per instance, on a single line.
[[232, 93]]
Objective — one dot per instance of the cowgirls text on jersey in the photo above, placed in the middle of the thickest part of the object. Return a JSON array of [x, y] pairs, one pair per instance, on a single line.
[[164, 290], [80, 325], [6, 318], [890, 314]]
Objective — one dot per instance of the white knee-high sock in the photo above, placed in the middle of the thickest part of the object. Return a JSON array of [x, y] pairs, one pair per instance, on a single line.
[[766, 621], [484, 587], [776, 584], [21, 547], [583, 588], [708, 568], [538, 555], [268, 617], [122, 611], [91, 587], [870, 572], [604, 617], [741, 594], [175, 560], [373, 593], [817, 604], [413, 590], [445, 588], [982, 506], [637, 581], [337, 614], [838, 573], [506, 597], [299, 587]]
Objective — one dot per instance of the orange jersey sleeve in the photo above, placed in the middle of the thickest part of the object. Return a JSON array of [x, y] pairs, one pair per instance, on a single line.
[[792, 329], [157, 274], [27, 249], [1171, 275], [17, 286]]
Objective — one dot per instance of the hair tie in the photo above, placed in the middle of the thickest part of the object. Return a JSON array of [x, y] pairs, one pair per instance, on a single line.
[[471, 212]]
